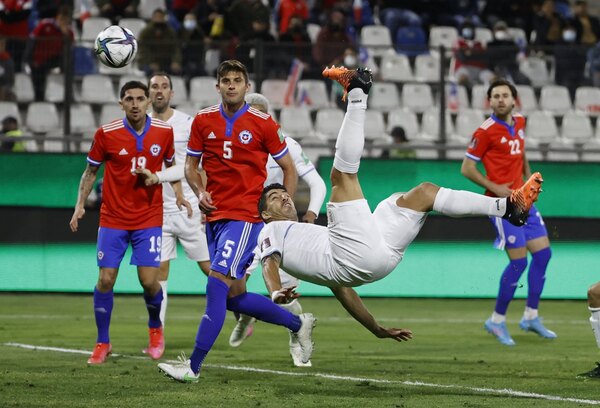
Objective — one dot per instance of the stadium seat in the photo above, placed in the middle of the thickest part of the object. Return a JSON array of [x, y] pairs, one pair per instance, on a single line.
[[130, 69], [456, 98], [56, 145], [188, 108], [42, 117], [533, 151], [406, 119], [425, 149], [328, 123], [427, 68], [562, 150], [577, 127], [411, 41], [479, 99], [526, 100], [417, 97], [23, 88], [296, 122], [180, 94], [147, 7], [84, 61], [8, 108], [556, 99], [82, 119], [134, 24], [97, 89], [376, 38], [483, 35], [588, 154], [384, 96], [587, 99], [518, 34], [130, 77], [203, 92], [536, 70], [90, 29], [430, 124], [541, 127], [467, 122], [443, 35], [274, 90], [395, 68], [55, 88], [313, 93], [375, 127], [110, 112]]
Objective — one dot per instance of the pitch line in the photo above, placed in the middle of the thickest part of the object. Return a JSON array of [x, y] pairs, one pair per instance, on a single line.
[[480, 390]]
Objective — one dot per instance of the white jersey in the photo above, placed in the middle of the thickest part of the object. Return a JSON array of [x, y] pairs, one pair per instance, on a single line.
[[181, 123], [301, 161]]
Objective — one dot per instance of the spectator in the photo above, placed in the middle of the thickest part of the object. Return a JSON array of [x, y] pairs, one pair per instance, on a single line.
[[457, 11], [469, 55], [211, 17], [7, 73], [182, 7], [249, 42], [588, 27], [46, 48], [192, 47], [287, 9], [158, 46], [516, 13], [118, 9], [570, 59], [502, 53], [243, 13], [295, 43], [10, 128], [399, 152], [332, 41], [14, 24], [547, 24], [593, 64]]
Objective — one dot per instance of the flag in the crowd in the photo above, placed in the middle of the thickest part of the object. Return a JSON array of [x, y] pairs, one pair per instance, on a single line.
[[357, 10], [303, 98], [453, 101], [292, 81]]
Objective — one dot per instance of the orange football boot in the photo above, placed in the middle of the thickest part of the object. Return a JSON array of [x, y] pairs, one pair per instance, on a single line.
[[101, 351]]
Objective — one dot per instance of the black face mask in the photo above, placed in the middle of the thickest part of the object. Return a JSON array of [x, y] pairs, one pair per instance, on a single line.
[[160, 25], [336, 27]]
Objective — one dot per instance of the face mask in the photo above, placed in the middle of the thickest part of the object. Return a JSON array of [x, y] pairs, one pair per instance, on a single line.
[[189, 24], [569, 35], [467, 33], [350, 61], [501, 35]]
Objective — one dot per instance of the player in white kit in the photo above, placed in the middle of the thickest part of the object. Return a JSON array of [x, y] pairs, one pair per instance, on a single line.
[[179, 224], [358, 246], [306, 170]]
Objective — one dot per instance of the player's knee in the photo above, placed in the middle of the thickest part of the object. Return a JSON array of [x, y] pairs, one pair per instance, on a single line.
[[593, 294], [426, 192], [106, 282], [542, 256]]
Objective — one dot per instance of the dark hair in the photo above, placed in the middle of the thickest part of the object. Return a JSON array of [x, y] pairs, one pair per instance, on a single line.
[[133, 85], [231, 66], [262, 203], [162, 74], [502, 82], [9, 120]]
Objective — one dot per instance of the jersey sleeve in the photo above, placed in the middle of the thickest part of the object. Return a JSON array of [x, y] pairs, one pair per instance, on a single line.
[[170, 148], [302, 162], [270, 240], [96, 155], [195, 145], [478, 146], [274, 139]]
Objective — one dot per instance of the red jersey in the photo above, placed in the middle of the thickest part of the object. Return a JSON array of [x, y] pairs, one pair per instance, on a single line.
[[127, 204], [16, 18], [48, 41], [234, 155], [500, 147]]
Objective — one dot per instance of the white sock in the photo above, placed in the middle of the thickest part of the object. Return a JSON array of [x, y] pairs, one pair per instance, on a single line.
[[457, 203], [351, 137], [293, 307], [529, 313], [163, 304], [498, 318], [595, 323]]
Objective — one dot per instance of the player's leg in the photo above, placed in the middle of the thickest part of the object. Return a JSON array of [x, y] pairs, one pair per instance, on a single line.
[[146, 249], [244, 326], [168, 251], [593, 296]]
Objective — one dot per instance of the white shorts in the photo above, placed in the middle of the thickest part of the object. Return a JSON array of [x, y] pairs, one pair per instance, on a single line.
[[189, 231], [368, 246], [287, 280]]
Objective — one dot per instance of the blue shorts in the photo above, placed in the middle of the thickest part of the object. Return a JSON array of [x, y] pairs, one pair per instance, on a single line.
[[145, 243], [231, 245], [510, 236]]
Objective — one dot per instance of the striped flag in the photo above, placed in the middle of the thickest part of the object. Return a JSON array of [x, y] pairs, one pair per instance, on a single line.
[[292, 81], [453, 102]]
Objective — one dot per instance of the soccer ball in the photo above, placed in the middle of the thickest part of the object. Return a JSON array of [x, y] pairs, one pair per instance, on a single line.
[[115, 46]]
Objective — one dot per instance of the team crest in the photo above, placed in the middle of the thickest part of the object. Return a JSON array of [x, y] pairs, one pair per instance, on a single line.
[[155, 150], [521, 134], [100, 255], [245, 136]]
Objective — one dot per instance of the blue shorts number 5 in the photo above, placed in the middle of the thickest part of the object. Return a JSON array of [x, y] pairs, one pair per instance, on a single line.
[[113, 243]]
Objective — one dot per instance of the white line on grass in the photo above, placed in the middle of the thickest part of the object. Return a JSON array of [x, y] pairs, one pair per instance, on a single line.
[[505, 391]]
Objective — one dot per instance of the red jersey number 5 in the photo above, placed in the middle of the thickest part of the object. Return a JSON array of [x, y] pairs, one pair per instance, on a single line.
[[227, 152]]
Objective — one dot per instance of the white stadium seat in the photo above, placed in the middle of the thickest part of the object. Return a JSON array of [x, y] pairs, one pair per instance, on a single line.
[[134, 24], [274, 90], [328, 122], [467, 122], [82, 119], [147, 7], [577, 127], [97, 89], [315, 91], [396, 68], [483, 35], [479, 99], [376, 38], [203, 91], [427, 68], [459, 101], [384, 96], [430, 124], [556, 99], [8, 108], [536, 70], [541, 126], [55, 88], [526, 98], [587, 99], [90, 29], [110, 112], [23, 88], [417, 97], [406, 119], [180, 94], [443, 35], [295, 122], [42, 117]]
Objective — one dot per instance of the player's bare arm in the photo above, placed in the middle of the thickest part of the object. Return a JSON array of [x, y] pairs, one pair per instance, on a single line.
[[357, 309], [270, 267], [196, 182], [290, 175], [469, 170], [85, 187]]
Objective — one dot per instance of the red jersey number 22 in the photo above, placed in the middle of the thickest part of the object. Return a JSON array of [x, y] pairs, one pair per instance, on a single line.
[[515, 146]]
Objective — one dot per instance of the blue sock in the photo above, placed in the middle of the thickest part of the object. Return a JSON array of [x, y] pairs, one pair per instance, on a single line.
[[537, 276], [255, 305], [153, 306], [508, 283], [212, 321], [103, 305]]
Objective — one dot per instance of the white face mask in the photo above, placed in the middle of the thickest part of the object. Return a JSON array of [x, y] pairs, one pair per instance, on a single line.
[[467, 33], [350, 61], [189, 24], [501, 35], [569, 35]]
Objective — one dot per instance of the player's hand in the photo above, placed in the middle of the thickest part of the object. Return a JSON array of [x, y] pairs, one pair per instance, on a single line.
[[309, 217], [77, 215], [180, 201], [149, 178], [502, 190], [392, 333], [206, 203], [284, 295]]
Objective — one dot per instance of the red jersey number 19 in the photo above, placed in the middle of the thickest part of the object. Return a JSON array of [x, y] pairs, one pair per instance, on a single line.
[[138, 162]]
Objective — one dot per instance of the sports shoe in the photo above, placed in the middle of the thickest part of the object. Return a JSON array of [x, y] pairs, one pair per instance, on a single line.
[[304, 337], [499, 331], [242, 330], [179, 370], [594, 373], [520, 201], [156, 345], [101, 351], [350, 78], [296, 352], [536, 326]]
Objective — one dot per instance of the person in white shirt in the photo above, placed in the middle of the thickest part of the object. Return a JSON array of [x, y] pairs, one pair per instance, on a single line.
[[359, 246]]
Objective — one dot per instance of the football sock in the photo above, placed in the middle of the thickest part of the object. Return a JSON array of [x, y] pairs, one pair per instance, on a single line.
[[293, 307], [103, 305], [153, 303], [508, 283], [595, 322], [498, 318], [351, 137], [529, 313], [163, 305], [264, 309], [212, 321], [457, 203], [537, 276]]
